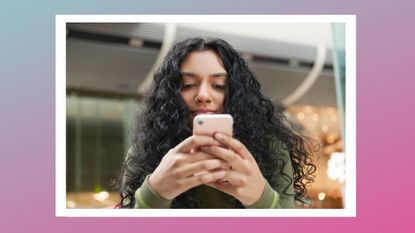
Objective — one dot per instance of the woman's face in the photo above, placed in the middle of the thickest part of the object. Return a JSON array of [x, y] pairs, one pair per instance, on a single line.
[[203, 83]]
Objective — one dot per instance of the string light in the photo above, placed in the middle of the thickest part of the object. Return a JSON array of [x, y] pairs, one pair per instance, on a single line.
[[336, 167], [321, 196], [101, 196], [308, 109]]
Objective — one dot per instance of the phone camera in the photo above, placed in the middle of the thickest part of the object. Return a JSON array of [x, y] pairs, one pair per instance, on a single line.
[[200, 122]]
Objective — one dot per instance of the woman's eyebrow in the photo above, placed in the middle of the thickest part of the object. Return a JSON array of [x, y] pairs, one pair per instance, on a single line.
[[222, 74], [189, 74]]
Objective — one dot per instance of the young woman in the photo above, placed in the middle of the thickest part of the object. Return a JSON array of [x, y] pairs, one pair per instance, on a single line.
[[266, 164]]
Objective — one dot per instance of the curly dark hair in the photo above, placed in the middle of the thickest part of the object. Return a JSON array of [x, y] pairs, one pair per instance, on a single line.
[[258, 124]]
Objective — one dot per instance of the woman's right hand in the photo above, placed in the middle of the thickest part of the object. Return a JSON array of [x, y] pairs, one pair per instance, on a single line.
[[176, 172]]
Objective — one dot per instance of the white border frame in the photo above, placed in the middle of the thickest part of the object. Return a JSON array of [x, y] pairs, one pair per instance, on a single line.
[[350, 121]]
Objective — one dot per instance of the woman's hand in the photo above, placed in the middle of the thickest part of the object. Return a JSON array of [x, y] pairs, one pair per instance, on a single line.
[[176, 172], [244, 180]]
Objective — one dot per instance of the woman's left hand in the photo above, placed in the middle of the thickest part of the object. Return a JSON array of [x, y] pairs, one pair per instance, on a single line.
[[244, 180]]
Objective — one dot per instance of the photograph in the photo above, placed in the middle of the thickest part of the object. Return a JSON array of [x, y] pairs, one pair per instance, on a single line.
[[191, 113]]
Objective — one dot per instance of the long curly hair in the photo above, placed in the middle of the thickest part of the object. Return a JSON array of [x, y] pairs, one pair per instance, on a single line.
[[258, 124]]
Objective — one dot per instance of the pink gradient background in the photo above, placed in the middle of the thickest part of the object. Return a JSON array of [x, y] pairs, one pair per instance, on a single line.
[[385, 83]]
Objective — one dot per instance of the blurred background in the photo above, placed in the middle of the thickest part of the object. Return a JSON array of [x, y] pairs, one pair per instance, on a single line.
[[300, 66]]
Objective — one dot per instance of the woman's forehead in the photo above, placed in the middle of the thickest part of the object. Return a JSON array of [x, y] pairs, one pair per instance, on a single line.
[[199, 59]]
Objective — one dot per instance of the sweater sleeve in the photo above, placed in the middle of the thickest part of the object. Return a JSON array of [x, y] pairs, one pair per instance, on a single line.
[[146, 197], [268, 200], [271, 199]]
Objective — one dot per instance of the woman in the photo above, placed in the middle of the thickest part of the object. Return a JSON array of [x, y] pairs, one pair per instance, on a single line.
[[265, 165]]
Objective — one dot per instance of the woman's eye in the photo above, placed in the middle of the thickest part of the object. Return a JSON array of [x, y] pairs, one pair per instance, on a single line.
[[219, 86], [187, 85]]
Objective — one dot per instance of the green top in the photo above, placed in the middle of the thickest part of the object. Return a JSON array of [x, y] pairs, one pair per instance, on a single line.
[[208, 197]]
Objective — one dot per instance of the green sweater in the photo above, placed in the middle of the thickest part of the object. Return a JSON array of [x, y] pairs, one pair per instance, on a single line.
[[208, 197]]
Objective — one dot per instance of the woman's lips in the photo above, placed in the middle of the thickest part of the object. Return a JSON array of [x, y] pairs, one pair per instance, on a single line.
[[203, 112]]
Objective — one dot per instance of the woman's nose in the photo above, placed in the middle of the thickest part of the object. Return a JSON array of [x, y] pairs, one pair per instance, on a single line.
[[203, 95]]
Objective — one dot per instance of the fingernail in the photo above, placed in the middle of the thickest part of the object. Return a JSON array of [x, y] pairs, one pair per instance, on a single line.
[[220, 174], [219, 136]]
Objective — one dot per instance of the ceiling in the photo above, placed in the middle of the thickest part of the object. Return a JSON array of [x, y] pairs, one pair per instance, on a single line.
[[101, 66]]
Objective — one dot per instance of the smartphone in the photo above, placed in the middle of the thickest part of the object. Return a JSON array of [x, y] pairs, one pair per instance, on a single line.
[[208, 124]]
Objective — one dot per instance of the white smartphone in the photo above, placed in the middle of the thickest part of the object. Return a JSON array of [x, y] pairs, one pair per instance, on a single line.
[[208, 124]]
